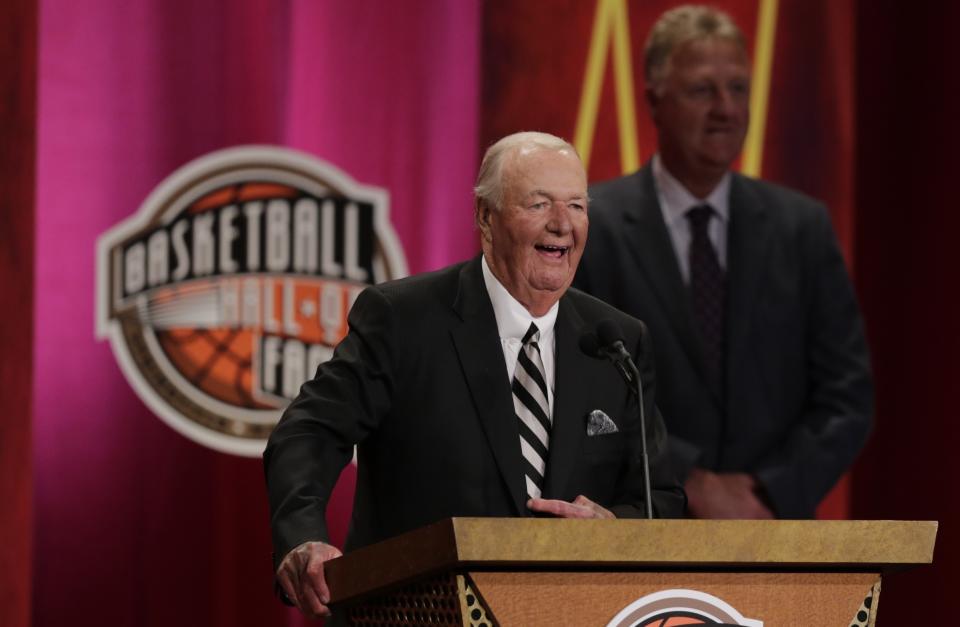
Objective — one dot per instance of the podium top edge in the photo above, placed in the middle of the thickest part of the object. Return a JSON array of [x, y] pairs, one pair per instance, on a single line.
[[689, 542], [695, 545]]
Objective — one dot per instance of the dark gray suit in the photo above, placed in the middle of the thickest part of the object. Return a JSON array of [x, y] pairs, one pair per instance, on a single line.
[[420, 383], [797, 401]]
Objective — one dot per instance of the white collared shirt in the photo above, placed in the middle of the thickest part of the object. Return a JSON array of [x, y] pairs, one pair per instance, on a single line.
[[513, 320], [676, 200]]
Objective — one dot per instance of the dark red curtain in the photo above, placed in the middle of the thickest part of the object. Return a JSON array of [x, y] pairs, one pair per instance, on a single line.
[[534, 81], [18, 70], [908, 263], [863, 114]]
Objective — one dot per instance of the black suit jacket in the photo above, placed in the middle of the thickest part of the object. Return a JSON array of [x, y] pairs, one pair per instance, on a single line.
[[420, 384], [796, 405]]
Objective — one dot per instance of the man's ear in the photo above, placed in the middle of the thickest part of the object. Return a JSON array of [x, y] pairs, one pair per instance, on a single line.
[[653, 99], [482, 218]]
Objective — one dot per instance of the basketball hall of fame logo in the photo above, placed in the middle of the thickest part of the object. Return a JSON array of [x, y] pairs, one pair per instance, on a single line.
[[232, 283], [672, 608]]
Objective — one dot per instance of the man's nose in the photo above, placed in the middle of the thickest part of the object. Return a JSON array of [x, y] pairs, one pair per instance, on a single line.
[[559, 221], [725, 102]]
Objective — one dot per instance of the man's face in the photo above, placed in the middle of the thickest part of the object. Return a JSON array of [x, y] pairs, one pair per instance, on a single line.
[[534, 242], [701, 109]]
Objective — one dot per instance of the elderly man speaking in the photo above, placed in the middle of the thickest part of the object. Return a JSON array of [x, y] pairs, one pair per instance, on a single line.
[[465, 389]]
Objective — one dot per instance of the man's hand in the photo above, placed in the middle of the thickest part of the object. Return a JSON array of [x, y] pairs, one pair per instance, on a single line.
[[301, 576], [724, 495], [582, 507]]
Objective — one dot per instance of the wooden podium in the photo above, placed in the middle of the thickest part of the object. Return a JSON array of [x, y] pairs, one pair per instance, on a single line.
[[536, 571]]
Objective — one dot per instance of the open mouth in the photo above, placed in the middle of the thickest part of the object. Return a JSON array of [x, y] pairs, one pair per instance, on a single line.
[[552, 251]]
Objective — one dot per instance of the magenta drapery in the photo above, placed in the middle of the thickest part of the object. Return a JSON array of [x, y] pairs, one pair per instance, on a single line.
[[135, 525]]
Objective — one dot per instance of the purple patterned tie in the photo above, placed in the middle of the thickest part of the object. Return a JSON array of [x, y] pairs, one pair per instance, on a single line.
[[707, 291]]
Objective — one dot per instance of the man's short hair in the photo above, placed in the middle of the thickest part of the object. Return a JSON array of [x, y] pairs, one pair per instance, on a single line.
[[676, 27], [488, 191]]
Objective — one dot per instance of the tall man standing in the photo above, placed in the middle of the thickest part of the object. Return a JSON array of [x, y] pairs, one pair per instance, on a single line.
[[764, 371], [466, 391]]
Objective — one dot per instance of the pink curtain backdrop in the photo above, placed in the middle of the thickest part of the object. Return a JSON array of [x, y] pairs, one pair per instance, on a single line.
[[135, 525]]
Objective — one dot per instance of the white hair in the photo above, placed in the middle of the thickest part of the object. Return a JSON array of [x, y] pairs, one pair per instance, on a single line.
[[488, 191]]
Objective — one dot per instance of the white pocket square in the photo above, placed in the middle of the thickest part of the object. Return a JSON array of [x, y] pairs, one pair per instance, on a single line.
[[598, 423]]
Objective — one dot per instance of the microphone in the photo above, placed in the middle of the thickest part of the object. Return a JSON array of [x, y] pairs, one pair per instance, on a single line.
[[591, 344], [607, 343]]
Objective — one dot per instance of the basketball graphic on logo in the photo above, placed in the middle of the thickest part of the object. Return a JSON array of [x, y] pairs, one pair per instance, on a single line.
[[680, 607], [232, 284], [674, 621], [217, 361]]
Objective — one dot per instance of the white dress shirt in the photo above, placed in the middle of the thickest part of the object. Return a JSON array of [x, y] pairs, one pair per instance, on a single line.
[[513, 320], [676, 200]]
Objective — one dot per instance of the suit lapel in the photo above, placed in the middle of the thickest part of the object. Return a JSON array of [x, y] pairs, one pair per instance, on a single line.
[[478, 347], [650, 242], [569, 429], [748, 243]]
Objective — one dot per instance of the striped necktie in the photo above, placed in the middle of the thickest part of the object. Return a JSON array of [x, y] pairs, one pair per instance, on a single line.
[[533, 411]]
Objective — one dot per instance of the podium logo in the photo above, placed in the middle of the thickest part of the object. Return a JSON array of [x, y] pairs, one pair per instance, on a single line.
[[673, 608], [232, 283]]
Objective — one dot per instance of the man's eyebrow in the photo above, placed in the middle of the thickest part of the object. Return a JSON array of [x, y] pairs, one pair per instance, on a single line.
[[543, 192]]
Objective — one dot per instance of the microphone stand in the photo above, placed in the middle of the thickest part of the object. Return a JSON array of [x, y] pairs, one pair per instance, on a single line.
[[611, 347], [648, 502]]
